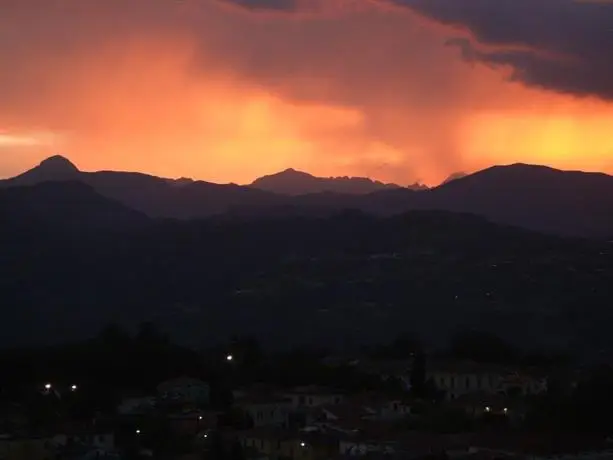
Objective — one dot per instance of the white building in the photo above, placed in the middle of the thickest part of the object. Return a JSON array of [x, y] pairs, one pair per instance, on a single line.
[[461, 378], [186, 390], [133, 406], [267, 411], [313, 396]]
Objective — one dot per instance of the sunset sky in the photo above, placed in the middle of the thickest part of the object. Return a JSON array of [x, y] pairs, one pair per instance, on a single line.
[[229, 90]]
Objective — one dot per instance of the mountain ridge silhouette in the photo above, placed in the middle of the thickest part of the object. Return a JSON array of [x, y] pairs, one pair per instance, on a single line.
[[535, 197]]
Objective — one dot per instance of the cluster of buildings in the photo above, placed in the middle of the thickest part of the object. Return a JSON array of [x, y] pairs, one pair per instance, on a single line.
[[81, 442], [107, 436], [318, 423], [313, 423]]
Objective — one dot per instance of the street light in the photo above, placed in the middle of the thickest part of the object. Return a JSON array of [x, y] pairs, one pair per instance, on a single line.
[[229, 358], [73, 388], [137, 431], [47, 386]]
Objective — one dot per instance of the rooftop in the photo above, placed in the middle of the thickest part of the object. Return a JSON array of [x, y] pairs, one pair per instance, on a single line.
[[486, 399], [261, 399], [543, 444], [471, 367], [314, 390], [280, 434]]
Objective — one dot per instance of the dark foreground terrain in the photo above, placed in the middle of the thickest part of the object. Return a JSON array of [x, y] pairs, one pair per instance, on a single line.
[[73, 261]]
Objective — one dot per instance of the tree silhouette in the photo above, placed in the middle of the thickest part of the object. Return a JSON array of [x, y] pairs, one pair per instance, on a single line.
[[237, 452], [402, 347], [482, 347], [149, 335], [418, 375], [215, 447], [114, 336]]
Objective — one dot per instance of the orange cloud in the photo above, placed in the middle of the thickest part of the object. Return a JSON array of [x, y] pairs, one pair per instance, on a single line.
[[217, 94]]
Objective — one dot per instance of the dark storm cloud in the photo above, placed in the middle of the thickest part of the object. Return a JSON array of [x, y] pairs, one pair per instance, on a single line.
[[566, 45], [280, 5], [560, 45]]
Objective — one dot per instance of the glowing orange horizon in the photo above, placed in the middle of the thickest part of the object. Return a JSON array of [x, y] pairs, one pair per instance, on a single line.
[[140, 104]]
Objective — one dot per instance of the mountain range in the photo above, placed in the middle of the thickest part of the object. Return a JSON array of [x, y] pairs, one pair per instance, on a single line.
[[74, 261], [292, 182], [570, 203], [81, 250]]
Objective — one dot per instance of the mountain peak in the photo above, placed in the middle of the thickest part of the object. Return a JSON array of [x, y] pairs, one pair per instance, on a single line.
[[291, 172], [294, 182], [454, 176], [55, 168], [57, 164]]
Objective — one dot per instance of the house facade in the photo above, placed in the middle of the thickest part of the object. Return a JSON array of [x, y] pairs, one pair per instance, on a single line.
[[408, 445], [553, 447], [313, 396], [136, 406], [185, 390], [389, 410], [191, 422], [477, 405], [100, 441], [400, 370], [368, 407], [458, 379], [268, 412], [287, 444], [26, 448], [359, 448]]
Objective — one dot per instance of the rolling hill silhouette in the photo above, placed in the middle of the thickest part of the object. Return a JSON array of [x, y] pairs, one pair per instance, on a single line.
[[292, 182], [454, 176], [534, 197], [540, 198], [74, 261], [154, 196], [65, 205]]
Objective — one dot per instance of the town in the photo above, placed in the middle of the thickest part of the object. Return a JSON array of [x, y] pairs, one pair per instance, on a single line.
[[123, 396]]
